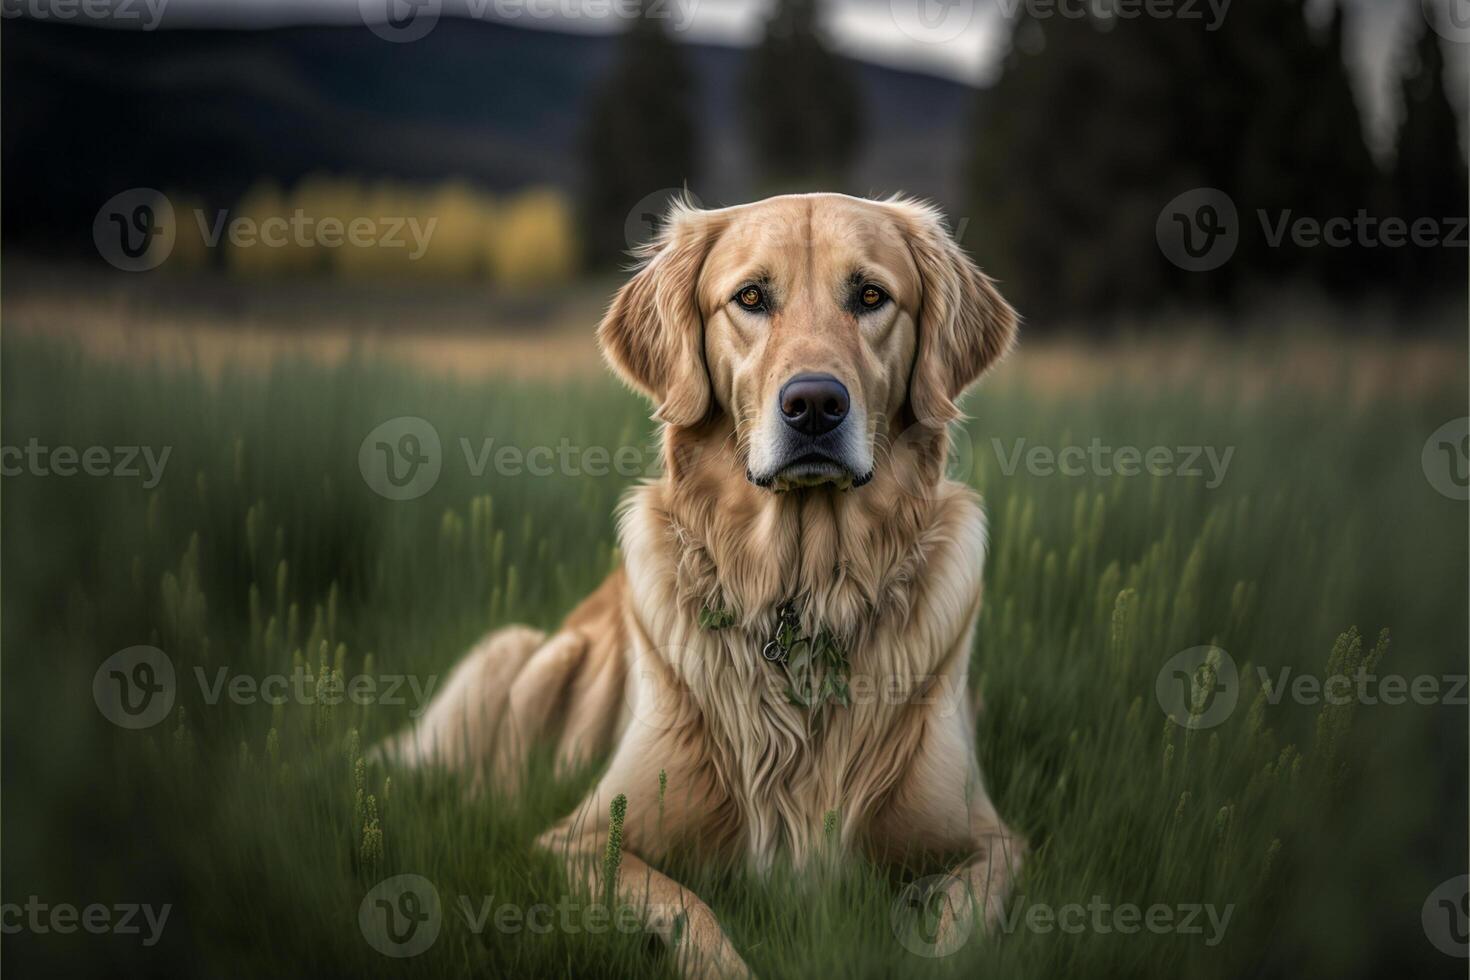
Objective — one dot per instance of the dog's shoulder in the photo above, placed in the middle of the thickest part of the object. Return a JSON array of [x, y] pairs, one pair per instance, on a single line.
[[961, 533], [603, 608]]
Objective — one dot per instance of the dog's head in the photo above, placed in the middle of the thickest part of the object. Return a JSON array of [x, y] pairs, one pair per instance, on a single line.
[[821, 325]]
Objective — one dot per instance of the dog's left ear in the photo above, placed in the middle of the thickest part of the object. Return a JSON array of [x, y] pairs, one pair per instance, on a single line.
[[964, 324], [653, 334]]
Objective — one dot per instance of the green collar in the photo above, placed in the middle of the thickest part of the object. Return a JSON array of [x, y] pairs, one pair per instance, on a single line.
[[816, 667]]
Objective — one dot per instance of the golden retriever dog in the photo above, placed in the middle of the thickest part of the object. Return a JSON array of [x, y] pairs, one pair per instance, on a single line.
[[789, 634]]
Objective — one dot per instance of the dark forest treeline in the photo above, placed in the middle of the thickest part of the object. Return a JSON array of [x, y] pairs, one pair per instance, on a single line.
[[800, 119], [1095, 125]]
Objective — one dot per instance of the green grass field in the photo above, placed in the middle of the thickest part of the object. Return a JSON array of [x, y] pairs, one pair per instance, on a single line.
[[262, 550]]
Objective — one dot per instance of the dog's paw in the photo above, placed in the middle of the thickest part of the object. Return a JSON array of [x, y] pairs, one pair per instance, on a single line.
[[980, 893], [956, 908], [701, 949], [976, 895]]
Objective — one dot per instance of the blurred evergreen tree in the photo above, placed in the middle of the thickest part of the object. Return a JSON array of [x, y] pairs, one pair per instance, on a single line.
[[802, 107], [640, 136], [1098, 122], [1073, 149], [1302, 152], [1429, 176]]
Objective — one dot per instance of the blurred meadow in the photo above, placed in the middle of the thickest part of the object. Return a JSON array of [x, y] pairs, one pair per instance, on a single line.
[[263, 551]]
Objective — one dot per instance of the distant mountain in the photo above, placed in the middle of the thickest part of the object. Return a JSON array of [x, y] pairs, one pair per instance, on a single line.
[[90, 112]]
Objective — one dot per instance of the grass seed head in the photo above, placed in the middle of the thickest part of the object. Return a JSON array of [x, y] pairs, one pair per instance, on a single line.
[[372, 834], [612, 858]]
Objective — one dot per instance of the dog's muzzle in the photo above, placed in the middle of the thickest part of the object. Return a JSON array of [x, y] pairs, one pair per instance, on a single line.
[[813, 443]]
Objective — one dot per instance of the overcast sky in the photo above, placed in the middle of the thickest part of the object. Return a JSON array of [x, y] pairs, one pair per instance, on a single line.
[[960, 39]]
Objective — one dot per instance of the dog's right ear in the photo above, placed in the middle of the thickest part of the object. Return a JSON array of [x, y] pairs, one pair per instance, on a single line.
[[964, 325], [653, 333]]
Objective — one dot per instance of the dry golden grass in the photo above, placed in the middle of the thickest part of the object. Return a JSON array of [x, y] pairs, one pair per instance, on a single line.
[[470, 332]]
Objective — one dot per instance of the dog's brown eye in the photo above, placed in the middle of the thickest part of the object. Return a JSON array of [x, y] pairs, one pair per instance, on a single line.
[[871, 296], [751, 298]]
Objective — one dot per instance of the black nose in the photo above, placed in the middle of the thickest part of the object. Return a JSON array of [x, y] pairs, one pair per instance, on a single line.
[[814, 403]]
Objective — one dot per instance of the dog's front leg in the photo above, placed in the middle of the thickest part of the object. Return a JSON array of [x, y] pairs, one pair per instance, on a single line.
[[941, 807], [981, 885], [668, 910]]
